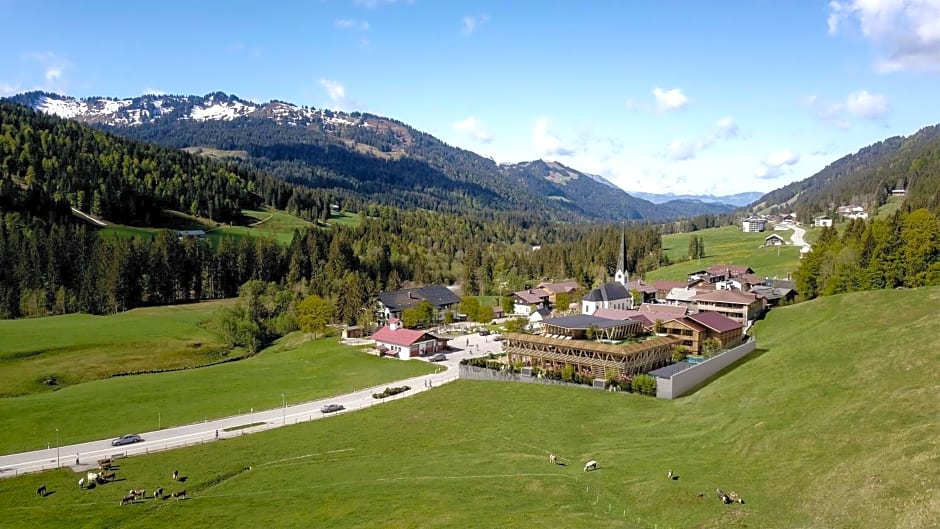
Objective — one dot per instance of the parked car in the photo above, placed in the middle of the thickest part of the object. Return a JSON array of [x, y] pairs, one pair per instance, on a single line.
[[127, 439], [484, 332], [437, 357], [330, 408]]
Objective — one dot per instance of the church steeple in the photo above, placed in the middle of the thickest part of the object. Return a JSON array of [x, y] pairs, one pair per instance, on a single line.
[[622, 276]]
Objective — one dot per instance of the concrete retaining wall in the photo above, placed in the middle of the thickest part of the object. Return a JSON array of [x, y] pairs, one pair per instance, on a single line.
[[689, 379], [483, 373]]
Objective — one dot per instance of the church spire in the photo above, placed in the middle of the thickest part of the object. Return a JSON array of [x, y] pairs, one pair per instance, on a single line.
[[622, 276]]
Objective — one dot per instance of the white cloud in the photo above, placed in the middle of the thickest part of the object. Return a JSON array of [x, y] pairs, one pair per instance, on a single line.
[[905, 33], [775, 163], [54, 68], [861, 104], [870, 106], [681, 149], [667, 100], [337, 94], [546, 143], [475, 129], [9, 89], [347, 23], [469, 24]]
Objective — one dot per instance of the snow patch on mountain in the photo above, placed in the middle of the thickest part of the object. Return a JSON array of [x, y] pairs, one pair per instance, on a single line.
[[67, 109], [221, 110]]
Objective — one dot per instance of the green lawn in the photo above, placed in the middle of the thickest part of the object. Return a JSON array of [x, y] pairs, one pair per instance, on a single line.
[[728, 245], [267, 222], [831, 423], [344, 218], [109, 407], [77, 348]]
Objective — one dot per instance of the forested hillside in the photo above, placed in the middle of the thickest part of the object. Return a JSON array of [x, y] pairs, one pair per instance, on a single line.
[[868, 177], [48, 161], [51, 263], [901, 251]]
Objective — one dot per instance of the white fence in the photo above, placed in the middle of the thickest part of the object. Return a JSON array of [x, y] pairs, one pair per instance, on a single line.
[[688, 379]]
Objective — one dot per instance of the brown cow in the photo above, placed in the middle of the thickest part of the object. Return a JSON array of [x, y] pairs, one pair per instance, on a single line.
[[735, 497], [105, 476], [128, 499], [180, 495]]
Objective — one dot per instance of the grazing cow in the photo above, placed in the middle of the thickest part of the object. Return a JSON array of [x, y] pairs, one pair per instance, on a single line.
[[176, 475], [105, 465], [138, 493], [670, 474], [722, 496], [128, 499], [81, 483], [102, 462], [701, 494], [180, 495], [41, 491], [158, 493], [735, 497], [552, 459], [105, 476], [590, 465]]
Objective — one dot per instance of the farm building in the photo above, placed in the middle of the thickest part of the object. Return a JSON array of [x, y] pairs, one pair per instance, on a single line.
[[395, 340], [774, 240], [753, 224], [392, 304]]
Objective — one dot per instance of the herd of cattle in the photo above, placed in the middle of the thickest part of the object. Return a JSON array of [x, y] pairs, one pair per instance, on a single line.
[[730, 497], [106, 474]]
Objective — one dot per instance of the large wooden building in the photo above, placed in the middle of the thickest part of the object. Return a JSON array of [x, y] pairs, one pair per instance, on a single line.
[[590, 358]]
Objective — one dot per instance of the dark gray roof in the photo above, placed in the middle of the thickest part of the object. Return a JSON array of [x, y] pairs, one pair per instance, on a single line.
[[672, 369], [606, 292], [782, 283], [771, 292], [437, 295], [583, 321]]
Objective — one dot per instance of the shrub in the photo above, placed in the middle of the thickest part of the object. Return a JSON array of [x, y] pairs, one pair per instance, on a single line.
[[390, 391], [644, 384]]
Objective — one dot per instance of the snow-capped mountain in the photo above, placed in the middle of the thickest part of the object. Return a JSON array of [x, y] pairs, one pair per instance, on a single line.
[[151, 108]]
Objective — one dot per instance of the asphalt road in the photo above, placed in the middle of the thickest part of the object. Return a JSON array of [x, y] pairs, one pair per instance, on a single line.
[[84, 456], [797, 237]]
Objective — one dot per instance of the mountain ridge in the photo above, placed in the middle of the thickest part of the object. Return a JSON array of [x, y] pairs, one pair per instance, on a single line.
[[360, 154]]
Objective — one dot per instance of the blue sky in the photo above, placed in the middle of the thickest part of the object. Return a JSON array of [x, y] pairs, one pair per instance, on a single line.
[[695, 97]]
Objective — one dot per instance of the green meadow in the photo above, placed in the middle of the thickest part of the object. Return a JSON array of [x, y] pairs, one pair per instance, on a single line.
[[728, 245], [831, 423], [76, 348], [84, 350]]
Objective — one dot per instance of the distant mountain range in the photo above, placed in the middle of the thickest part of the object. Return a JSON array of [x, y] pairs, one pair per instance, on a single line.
[[737, 200], [365, 156]]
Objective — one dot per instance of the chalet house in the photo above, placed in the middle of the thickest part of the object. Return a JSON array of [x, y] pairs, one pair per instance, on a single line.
[[616, 314], [898, 192], [853, 211], [524, 300], [789, 217], [646, 290], [754, 224], [395, 340], [742, 282], [729, 270], [191, 234], [702, 278], [392, 304], [538, 316], [608, 296], [774, 295], [739, 306], [663, 288], [822, 222], [694, 330], [656, 312], [774, 240], [681, 296], [553, 289]]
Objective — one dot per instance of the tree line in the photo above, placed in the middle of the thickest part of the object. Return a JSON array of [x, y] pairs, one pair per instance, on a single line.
[[902, 250]]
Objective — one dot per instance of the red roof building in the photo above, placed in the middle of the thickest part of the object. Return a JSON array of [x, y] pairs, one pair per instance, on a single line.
[[406, 343]]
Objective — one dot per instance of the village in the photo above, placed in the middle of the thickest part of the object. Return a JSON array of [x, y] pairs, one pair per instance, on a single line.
[[602, 337]]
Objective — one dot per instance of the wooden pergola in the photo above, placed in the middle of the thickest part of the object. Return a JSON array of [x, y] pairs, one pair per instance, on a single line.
[[600, 359]]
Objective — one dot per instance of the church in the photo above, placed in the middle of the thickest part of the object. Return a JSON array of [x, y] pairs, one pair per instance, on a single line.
[[613, 295]]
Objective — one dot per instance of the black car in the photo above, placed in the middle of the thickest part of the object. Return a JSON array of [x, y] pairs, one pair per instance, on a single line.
[[127, 439], [330, 408], [484, 332]]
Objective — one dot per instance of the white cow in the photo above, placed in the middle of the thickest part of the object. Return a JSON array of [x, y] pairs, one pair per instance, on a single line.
[[590, 465]]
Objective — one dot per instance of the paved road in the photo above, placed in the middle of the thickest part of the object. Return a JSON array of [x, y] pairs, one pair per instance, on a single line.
[[84, 456], [797, 237]]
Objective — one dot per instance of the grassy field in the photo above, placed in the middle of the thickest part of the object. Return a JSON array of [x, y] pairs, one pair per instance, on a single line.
[[832, 422], [77, 348], [344, 218], [270, 223], [728, 245], [302, 370]]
